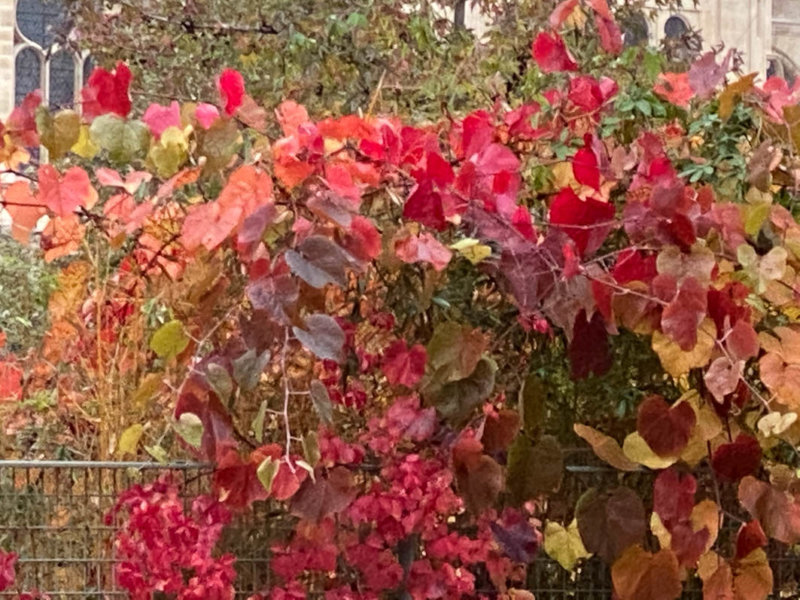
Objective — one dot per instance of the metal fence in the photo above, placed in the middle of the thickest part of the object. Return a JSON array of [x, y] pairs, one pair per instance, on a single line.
[[52, 515]]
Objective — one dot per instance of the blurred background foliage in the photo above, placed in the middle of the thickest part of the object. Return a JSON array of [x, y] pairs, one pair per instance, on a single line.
[[335, 57]]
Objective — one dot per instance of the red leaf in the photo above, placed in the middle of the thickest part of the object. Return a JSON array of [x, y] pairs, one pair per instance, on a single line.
[[681, 317], [107, 92], [665, 429], [778, 513], [673, 497], [587, 222], [589, 350], [479, 477], [363, 241], [8, 575], [750, 537], [236, 480], [430, 203], [231, 90], [64, 195], [326, 496], [217, 425], [742, 341], [633, 265], [404, 366], [688, 544], [499, 430], [675, 88], [610, 34], [585, 165], [21, 123], [551, 54], [737, 459]]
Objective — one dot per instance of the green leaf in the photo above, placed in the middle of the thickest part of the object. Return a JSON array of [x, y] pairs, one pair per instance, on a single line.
[[169, 153], [534, 469], [190, 428], [266, 472], [123, 140], [311, 448], [220, 381], [247, 369], [169, 340], [644, 107], [456, 400], [219, 143], [322, 402], [158, 453], [532, 396], [258, 422]]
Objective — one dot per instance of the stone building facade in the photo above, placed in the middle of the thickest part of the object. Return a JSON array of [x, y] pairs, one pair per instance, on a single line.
[[766, 31]]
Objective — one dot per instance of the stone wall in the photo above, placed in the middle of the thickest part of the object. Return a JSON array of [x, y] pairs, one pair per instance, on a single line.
[[6, 56]]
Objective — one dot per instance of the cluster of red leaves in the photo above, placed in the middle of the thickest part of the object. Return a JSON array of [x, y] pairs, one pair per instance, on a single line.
[[397, 532], [161, 548]]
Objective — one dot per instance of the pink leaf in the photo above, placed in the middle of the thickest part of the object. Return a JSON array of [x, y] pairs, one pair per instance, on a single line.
[[422, 248], [158, 117]]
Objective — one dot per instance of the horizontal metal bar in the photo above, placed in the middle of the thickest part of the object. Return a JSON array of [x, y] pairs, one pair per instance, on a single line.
[[99, 464], [184, 466]]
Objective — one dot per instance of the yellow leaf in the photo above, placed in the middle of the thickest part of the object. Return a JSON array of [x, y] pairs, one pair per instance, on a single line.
[[563, 176], [637, 450], [663, 536], [606, 448], [170, 152], [576, 19], [148, 388], [472, 250], [705, 515], [129, 440], [85, 147], [675, 361], [708, 427], [169, 340], [564, 545]]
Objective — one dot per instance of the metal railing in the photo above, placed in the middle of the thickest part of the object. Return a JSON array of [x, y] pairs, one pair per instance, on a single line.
[[52, 515]]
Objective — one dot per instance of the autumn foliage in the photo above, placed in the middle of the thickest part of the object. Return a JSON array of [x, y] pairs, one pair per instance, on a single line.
[[278, 296]]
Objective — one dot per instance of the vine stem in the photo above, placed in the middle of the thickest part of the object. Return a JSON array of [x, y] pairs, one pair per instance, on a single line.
[[287, 393]]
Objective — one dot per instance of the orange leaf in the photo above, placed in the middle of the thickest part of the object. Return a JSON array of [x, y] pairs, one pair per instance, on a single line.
[[64, 195], [24, 208], [639, 575], [62, 236]]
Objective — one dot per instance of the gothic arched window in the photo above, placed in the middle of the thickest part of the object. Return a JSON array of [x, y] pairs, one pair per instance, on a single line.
[[41, 60], [675, 27]]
